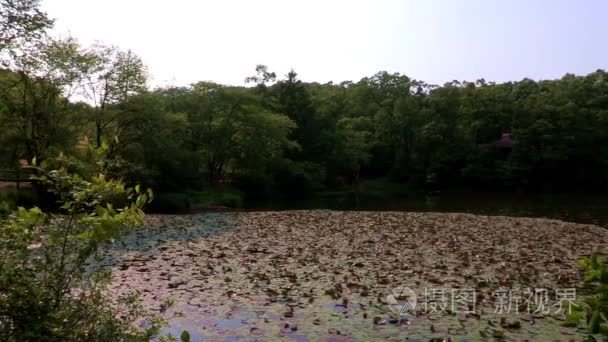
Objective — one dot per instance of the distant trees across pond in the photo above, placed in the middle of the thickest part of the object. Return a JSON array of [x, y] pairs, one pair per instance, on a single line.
[[283, 136]]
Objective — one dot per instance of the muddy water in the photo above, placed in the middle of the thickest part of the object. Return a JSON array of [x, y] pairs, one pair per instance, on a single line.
[[326, 275]]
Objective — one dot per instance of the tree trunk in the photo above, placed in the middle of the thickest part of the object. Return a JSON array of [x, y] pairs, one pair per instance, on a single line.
[[98, 133]]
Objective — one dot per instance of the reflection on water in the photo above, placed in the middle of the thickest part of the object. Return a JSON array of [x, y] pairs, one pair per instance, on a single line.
[[591, 209]]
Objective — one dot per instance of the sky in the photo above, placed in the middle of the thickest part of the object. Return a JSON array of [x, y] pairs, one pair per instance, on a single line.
[[185, 41]]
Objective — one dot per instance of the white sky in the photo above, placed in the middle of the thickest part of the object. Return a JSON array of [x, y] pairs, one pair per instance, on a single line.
[[184, 41]]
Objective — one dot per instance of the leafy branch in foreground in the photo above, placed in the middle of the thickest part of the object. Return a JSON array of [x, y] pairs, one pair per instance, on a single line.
[[596, 274], [48, 289]]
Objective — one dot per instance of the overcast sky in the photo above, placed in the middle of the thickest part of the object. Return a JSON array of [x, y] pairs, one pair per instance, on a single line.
[[184, 41]]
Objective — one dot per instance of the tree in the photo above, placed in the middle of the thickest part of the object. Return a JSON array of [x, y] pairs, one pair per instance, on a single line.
[[36, 97], [21, 21], [353, 146], [295, 102], [230, 130], [113, 78], [262, 77]]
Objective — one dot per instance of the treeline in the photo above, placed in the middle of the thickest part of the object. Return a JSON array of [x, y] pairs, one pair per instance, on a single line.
[[284, 137]]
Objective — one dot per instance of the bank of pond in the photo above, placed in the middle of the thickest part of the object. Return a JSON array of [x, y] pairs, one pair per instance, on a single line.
[[371, 196]]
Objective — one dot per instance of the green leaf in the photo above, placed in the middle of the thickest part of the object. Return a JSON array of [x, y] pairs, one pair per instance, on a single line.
[[573, 319], [185, 337]]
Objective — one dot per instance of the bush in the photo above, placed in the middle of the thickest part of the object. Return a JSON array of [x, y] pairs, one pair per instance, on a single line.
[[384, 188], [179, 203], [596, 274], [6, 208], [170, 202], [227, 197], [254, 186], [20, 198], [299, 179], [48, 289]]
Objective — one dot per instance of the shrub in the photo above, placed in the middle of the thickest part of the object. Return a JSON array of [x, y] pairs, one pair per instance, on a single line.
[[385, 188], [170, 202], [50, 287], [299, 179], [5, 208], [255, 186], [596, 274], [225, 197], [23, 198]]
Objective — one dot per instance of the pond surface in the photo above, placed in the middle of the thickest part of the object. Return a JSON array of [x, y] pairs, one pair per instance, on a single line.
[[580, 208], [319, 275]]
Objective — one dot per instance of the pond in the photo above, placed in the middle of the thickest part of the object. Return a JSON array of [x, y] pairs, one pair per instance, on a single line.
[[579, 208], [320, 275], [285, 270]]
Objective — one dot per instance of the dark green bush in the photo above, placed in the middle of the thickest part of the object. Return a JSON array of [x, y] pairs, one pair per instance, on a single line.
[[6, 208], [170, 202], [20, 198], [226, 196], [299, 179], [385, 188], [51, 287], [596, 273], [254, 186]]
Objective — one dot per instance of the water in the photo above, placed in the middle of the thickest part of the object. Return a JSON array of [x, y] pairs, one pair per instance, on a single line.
[[580, 208]]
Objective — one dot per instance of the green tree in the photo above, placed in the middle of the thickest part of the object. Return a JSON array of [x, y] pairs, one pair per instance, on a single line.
[[228, 129], [353, 145], [35, 96], [21, 21], [113, 78]]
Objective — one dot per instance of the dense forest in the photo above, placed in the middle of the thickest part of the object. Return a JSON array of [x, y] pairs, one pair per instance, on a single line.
[[282, 137], [95, 145]]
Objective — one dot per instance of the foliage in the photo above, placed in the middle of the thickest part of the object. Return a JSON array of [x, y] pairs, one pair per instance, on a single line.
[[171, 202], [352, 148], [384, 187], [228, 197], [111, 77], [14, 198], [228, 130], [50, 286], [298, 179], [596, 273], [288, 137], [6, 208], [185, 336], [21, 21]]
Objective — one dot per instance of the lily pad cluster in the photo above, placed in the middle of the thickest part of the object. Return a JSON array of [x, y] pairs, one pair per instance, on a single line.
[[325, 275]]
